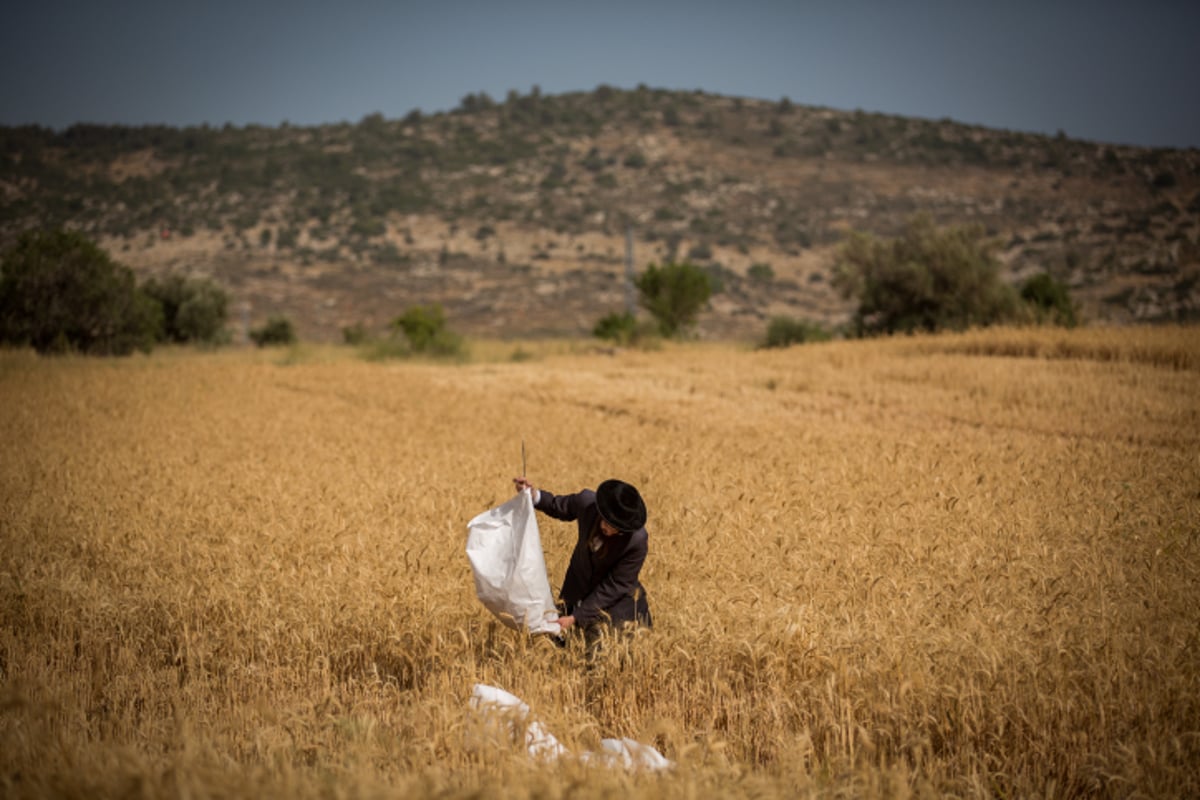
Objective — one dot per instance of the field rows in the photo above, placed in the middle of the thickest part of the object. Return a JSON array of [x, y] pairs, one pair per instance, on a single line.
[[960, 565]]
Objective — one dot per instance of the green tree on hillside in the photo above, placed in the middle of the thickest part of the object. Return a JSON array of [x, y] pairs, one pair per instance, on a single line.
[[926, 279], [61, 292], [427, 331], [674, 294], [278, 330], [1049, 300], [194, 309]]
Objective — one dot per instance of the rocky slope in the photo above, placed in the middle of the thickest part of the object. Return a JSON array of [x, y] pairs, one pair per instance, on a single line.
[[514, 214]]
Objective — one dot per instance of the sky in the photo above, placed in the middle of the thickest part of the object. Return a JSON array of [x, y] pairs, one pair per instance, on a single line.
[[1115, 72]]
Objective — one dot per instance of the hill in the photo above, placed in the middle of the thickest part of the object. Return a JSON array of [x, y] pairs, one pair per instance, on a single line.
[[513, 214]]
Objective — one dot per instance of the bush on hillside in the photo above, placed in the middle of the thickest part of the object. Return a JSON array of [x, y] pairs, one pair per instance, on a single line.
[[60, 292], [194, 309], [1049, 300], [355, 335], [427, 331], [636, 159], [674, 294], [783, 331], [926, 279], [276, 331], [760, 273], [618, 327], [624, 329]]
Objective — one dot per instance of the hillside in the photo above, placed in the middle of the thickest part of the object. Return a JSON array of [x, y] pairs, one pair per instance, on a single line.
[[513, 214]]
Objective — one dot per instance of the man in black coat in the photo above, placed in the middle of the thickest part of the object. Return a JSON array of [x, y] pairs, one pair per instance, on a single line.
[[601, 585]]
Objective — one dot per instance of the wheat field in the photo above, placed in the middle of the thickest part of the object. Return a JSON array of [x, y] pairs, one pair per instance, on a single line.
[[959, 565]]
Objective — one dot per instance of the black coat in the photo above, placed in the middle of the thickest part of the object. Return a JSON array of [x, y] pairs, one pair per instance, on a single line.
[[601, 585]]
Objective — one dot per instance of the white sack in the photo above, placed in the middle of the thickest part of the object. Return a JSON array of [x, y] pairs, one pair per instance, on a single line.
[[505, 551], [498, 705], [627, 753]]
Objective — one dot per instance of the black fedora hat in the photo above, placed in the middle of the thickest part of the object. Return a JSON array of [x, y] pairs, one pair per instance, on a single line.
[[620, 505]]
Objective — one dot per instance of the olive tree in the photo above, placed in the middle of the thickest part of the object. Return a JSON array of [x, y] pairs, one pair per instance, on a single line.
[[674, 294], [926, 279], [60, 292], [194, 309]]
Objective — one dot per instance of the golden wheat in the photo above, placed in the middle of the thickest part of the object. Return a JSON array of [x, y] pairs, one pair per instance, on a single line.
[[936, 565]]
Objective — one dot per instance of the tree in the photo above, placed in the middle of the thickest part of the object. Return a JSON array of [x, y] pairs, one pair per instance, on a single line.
[[760, 273], [277, 330], [426, 330], [1049, 300], [926, 279], [674, 294], [60, 292], [476, 102], [194, 309]]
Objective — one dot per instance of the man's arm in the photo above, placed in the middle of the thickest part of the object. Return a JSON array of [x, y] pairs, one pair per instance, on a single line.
[[565, 507]]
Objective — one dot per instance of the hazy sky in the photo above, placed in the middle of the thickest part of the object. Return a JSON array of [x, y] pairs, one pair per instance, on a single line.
[[1124, 72]]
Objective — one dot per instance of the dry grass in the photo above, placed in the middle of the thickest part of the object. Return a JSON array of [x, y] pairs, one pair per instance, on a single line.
[[877, 569]]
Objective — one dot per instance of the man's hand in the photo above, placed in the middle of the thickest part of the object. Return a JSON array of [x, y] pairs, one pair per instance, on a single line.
[[566, 622], [523, 483]]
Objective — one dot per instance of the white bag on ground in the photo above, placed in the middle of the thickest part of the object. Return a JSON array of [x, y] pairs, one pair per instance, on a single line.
[[627, 753], [498, 706], [505, 551]]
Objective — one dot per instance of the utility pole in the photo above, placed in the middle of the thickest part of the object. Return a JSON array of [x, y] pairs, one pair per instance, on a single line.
[[245, 309], [630, 296]]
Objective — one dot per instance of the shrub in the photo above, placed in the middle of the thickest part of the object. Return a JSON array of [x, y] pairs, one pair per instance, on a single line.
[[202, 315], [368, 226], [194, 309], [520, 355], [1164, 180], [386, 348], [761, 273], [355, 334], [674, 294], [388, 255], [556, 176], [619, 327], [60, 292], [426, 330], [1049, 300], [784, 331], [287, 237], [277, 330], [925, 279], [718, 276], [594, 161]]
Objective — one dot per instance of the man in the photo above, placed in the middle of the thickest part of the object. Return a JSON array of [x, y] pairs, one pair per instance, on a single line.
[[601, 586]]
